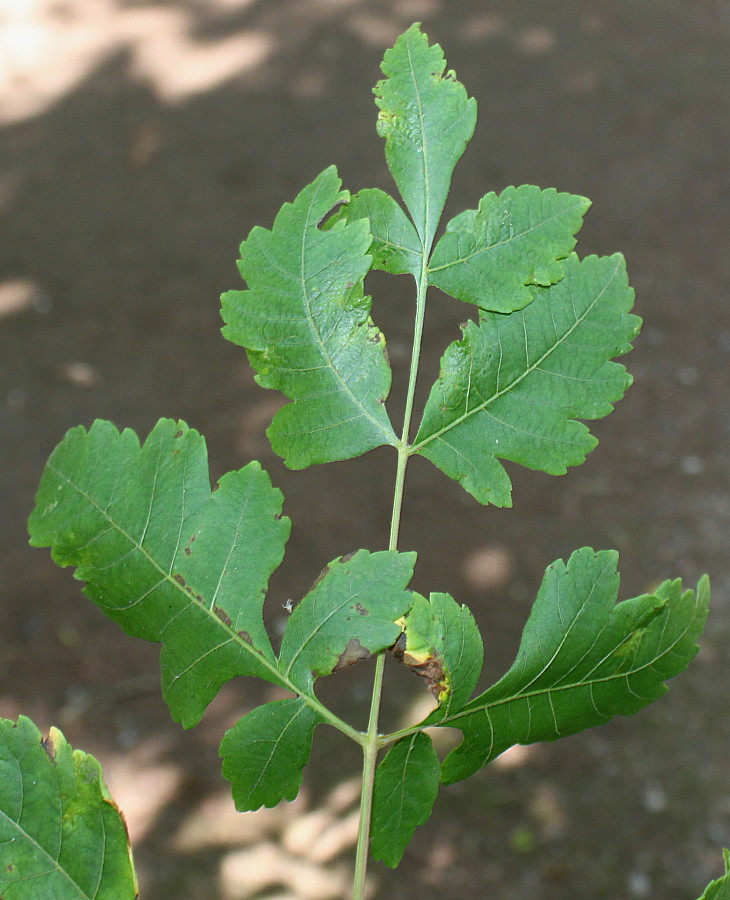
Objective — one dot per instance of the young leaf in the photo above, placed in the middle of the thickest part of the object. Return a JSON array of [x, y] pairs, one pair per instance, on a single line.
[[61, 835], [349, 614], [162, 555], [719, 889], [442, 644], [583, 659], [514, 385], [305, 325], [427, 120], [265, 751], [406, 785], [489, 255], [396, 248]]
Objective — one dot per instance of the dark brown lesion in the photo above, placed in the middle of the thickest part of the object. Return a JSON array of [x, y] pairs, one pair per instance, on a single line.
[[429, 667], [223, 616], [49, 746], [353, 653]]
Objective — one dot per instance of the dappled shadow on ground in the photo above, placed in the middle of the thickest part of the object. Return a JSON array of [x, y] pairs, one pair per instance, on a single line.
[[140, 143]]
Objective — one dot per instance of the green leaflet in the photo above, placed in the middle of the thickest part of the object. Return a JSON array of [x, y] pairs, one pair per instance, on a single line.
[[489, 255], [349, 614], [396, 248], [406, 785], [265, 751], [162, 555], [514, 385], [61, 835], [582, 660], [427, 120], [173, 562], [442, 644], [719, 889], [305, 325]]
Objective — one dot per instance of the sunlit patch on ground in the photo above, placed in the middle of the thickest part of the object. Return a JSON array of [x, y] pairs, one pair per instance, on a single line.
[[17, 295], [47, 48], [489, 567], [289, 847], [142, 785]]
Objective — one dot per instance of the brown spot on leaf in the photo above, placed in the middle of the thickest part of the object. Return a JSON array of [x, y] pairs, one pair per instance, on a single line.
[[222, 615], [353, 653], [188, 551], [245, 636], [49, 746], [178, 434], [433, 673], [180, 580], [360, 610], [432, 670], [319, 577], [399, 647], [347, 557]]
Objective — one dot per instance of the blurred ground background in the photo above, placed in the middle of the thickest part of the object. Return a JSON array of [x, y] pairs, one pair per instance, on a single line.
[[139, 143]]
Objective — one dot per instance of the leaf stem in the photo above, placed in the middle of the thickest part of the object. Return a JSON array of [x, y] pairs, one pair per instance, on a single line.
[[330, 718], [404, 449], [371, 740], [370, 759]]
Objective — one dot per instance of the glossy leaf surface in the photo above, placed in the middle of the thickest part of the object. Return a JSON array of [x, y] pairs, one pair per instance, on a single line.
[[396, 247], [427, 120], [441, 643], [406, 785], [489, 256], [162, 555], [265, 751], [349, 614], [61, 835], [306, 327], [583, 659], [513, 386]]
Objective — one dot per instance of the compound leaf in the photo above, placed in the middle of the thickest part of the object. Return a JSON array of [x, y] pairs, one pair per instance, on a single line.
[[719, 889], [406, 785], [427, 120], [162, 555], [489, 255], [265, 751], [513, 386], [61, 835], [349, 614], [583, 659], [306, 327], [396, 247], [442, 644]]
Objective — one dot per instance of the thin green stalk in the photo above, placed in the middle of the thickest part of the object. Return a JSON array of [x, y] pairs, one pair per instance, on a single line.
[[372, 742], [334, 720], [404, 449], [370, 760]]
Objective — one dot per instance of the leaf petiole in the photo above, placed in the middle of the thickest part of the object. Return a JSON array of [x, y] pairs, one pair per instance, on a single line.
[[372, 742]]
